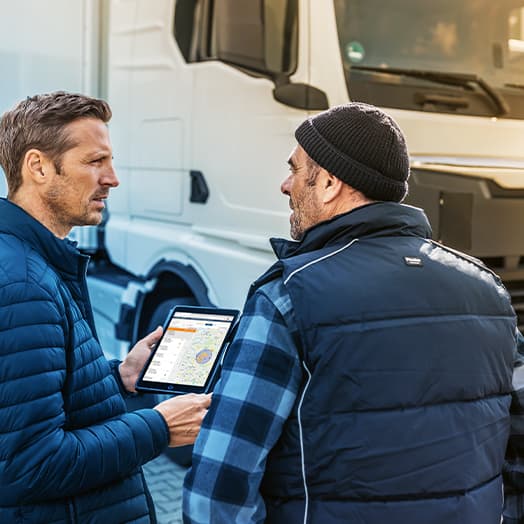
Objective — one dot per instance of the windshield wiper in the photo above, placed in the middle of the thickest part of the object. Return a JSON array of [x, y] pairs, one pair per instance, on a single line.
[[458, 79], [515, 86]]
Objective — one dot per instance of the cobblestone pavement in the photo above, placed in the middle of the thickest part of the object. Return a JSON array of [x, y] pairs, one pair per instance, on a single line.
[[165, 479]]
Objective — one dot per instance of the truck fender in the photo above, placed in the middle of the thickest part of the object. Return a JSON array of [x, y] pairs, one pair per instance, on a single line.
[[167, 283]]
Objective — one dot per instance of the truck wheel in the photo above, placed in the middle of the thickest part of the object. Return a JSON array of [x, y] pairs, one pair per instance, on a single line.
[[182, 454]]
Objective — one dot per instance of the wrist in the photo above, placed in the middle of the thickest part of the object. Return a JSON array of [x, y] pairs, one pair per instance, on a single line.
[[163, 416], [127, 378]]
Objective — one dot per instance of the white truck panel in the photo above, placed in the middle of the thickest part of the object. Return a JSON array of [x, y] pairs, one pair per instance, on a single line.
[[48, 46], [226, 266], [327, 71]]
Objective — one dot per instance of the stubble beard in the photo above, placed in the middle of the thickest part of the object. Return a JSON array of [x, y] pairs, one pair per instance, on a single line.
[[305, 214], [62, 217], [296, 229]]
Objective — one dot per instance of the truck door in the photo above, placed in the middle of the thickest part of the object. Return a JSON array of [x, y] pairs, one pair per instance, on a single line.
[[161, 92], [241, 135]]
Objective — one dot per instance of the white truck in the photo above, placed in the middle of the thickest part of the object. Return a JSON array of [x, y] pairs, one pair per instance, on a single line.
[[206, 95]]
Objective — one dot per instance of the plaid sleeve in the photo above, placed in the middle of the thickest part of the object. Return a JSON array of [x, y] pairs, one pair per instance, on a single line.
[[252, 400], [514, 466]]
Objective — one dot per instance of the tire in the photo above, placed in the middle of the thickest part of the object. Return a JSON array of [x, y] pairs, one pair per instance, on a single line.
[[182, 454]]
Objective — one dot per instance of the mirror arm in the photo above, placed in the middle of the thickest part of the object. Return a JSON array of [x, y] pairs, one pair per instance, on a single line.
[[299, 95]]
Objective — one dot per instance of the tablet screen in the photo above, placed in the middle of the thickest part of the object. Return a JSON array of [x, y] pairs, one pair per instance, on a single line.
[[188, 351]]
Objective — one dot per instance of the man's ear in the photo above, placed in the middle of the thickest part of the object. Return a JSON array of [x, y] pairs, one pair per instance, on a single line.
[[36, 167], [332, 187]]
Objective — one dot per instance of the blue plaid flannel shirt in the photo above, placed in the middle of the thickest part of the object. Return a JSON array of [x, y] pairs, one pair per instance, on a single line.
[[252, 400]]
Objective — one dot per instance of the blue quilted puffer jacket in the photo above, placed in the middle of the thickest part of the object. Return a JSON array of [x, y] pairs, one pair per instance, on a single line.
[[69, 452]]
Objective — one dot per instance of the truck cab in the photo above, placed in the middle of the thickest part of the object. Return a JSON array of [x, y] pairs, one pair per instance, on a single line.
[[207, 95]]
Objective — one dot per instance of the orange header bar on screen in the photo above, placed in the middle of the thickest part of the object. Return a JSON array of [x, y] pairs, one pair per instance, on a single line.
[[185, 330]]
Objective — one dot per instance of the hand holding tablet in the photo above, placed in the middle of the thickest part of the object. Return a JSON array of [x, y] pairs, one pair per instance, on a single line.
[[188, 356]]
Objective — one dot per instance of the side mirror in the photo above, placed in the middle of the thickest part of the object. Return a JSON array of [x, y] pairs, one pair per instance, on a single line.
[[301, 96], [280, 55]]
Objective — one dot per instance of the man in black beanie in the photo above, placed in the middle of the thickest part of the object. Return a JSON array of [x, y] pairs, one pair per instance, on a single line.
[[370, 378]]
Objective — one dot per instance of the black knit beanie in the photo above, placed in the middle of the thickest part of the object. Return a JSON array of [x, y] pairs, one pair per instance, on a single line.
[[361, 145]]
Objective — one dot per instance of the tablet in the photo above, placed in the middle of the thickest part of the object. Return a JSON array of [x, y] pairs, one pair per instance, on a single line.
[[188, 356]]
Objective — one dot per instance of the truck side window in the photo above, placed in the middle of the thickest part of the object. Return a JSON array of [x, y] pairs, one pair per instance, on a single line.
[[185, 27], [256, 35], [515, 53], [238, 33], [281, 40]]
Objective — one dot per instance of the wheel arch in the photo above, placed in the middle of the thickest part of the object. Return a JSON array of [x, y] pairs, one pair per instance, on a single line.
[[169, 280]]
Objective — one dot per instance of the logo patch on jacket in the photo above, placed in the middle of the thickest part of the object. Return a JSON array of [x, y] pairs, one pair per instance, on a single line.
[[413, 261]]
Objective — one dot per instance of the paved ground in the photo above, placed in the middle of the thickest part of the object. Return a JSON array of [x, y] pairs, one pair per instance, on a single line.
[[165, 479]]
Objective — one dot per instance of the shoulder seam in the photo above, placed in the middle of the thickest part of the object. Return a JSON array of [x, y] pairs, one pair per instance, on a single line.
[[320, 259]]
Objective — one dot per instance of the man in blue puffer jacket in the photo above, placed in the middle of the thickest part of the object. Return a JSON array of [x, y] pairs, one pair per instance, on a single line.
[[371, 376], [69, 452]]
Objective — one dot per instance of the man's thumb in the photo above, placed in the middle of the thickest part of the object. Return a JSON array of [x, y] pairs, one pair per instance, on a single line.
[[154, 336]]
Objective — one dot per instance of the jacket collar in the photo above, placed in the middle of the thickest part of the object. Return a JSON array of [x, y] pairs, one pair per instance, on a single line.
[[377, 219], [62, 254]]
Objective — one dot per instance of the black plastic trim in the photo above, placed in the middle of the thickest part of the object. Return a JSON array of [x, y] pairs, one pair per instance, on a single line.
[[199, 188], [301, 96]]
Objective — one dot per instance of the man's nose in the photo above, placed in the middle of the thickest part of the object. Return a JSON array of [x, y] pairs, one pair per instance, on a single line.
[[110, 178], [285, 185]]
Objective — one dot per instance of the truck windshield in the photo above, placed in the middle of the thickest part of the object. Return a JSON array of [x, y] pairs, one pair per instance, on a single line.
[[444, 56]]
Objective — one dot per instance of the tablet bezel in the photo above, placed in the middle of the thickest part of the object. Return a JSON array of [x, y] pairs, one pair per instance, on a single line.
[[179, 389]]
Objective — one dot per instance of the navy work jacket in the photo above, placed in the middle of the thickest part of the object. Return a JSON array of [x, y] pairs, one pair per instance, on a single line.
[[408, 349]]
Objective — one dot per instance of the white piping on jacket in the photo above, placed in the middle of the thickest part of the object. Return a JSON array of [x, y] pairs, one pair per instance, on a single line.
[[302, 459], [311, 262]]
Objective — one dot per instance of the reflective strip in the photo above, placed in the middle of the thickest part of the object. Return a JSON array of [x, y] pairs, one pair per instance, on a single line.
[[310, 263], [518, 378], [302, 443]]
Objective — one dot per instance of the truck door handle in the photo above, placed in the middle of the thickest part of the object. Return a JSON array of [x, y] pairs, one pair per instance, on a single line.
[[199, 190]]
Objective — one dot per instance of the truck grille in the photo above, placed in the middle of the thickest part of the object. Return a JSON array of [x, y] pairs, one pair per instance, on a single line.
[[516, 290]]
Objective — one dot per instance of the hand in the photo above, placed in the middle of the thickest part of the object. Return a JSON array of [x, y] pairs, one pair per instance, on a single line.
[[136, 359], [184, 415]]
